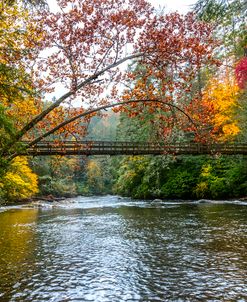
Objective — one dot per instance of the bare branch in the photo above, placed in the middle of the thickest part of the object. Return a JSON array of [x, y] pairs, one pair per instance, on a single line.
[[102, 60]]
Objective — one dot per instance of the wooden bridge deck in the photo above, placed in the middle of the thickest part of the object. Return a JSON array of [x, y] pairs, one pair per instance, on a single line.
[[46, 148]]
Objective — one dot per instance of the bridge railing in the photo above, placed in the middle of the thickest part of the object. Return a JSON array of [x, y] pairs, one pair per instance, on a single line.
[[132, 148]]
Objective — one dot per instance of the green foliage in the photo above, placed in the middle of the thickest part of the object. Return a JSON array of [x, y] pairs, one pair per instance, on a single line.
[[178, 186], [184, 177], [57, 187], [130, 173], [211, 10], [63, 188], [222, 178], [6, 124], [94, 176], [56, 175], [69, 176], [230, 20], [139, 128], [7, 129], [210, 184]]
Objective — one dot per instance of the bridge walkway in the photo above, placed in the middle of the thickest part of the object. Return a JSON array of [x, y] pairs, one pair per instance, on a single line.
[[89, 147]]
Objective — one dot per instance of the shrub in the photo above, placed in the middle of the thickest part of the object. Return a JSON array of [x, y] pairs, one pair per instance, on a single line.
[[18, 181]]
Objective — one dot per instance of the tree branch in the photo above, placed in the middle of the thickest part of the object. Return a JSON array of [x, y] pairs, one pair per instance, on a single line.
[[39, 117], [61, 125]]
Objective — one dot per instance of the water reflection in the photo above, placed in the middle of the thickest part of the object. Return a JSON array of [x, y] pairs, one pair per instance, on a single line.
[[106, 249], [17, 249]]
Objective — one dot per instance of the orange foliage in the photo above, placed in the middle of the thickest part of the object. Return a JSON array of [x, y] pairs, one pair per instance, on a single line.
[[217, 108], [85, 43]]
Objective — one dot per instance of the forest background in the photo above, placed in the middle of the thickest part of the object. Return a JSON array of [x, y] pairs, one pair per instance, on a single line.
[[178, 66]]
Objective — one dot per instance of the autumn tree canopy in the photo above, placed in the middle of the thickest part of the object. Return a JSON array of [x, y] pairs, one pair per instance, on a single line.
[[84, 48], [159, 68]]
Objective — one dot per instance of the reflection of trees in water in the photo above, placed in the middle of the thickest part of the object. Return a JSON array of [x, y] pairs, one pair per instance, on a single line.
[[17, 249]]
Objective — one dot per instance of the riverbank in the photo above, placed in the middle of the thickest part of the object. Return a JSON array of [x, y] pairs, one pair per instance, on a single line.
[[40, 201], [49, 198]]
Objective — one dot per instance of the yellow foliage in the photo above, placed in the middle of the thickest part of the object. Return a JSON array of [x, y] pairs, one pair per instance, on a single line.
[[93, 169], [206, 170], [222, 96], [201, 189], [19, 181], [17, 56], [94, 175], [230, 129]]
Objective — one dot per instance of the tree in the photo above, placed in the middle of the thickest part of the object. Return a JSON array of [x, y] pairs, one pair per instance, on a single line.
[[18, 98], [220, 100], [19, 181], [241, 72], [87, 43], [229, 19]]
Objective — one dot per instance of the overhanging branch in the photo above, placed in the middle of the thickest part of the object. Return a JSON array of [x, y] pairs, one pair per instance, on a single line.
[[39, 117], [61, 125]]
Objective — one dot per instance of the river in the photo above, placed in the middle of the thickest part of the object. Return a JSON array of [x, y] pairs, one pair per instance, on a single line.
[[112, 249]]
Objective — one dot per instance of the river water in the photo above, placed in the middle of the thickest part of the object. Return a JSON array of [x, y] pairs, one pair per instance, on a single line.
[[111, 249]]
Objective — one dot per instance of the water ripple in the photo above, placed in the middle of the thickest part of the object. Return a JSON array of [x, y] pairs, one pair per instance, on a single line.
[[109, 249]]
